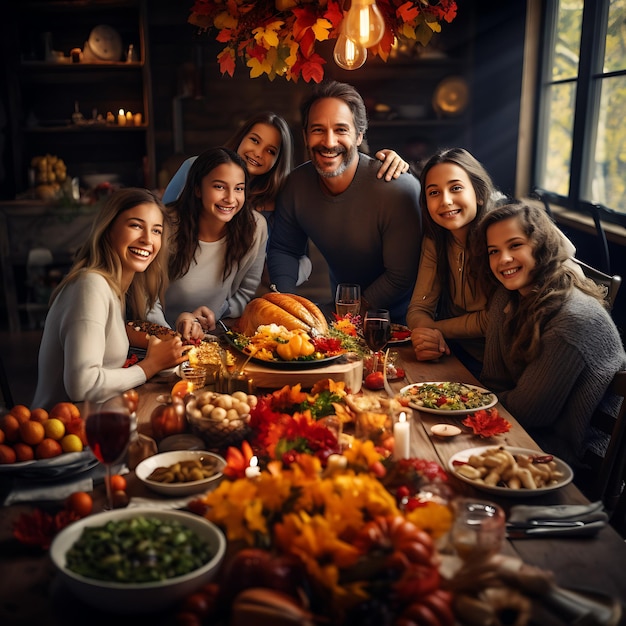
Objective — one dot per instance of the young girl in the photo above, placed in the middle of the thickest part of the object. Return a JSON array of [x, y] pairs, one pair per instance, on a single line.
[[219, 241], [84, 343], [552, 348], [266, 145], [448, 302]]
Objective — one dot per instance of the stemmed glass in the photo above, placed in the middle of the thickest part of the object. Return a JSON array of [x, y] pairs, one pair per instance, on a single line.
[[107, 425], [376, 332], [347, 299]]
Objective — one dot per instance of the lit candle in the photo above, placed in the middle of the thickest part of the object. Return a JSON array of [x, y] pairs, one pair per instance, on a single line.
[[121, 118], [253, 470], [137, 119], [402, 437], [129, 118]]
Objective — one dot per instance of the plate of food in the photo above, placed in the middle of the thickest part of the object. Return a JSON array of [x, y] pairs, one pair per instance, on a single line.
[[400, 334], [451, 398], [276, 347], [68, 462], [510, 471]]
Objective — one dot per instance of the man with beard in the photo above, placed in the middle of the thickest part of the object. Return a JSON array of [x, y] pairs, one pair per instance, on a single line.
[[368, 230]]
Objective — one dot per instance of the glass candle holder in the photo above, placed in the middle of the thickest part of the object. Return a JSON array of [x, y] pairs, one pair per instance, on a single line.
[[196, 376], [478, 530]]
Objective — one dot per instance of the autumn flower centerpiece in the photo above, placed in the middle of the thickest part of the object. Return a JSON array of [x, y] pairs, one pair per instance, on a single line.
[[278, 37], [353, 536]]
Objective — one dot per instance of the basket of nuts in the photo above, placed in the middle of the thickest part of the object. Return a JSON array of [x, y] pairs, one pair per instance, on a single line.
[[220, 419]]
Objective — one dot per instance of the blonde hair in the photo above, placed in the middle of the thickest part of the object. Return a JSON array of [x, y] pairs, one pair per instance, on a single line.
[[98, 255]]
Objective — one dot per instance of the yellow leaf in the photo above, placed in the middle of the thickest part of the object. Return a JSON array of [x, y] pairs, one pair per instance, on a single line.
[[257, 68], [321, 29], [408, 31]]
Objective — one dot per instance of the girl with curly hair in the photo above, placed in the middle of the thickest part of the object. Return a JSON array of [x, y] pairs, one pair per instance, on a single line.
[[552, 348]]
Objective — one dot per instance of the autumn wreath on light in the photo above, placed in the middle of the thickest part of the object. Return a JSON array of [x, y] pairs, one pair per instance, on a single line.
[[278, 37]]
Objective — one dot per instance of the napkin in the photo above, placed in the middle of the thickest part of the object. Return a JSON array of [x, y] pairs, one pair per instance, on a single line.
[[29, 491], [543, 521], [586, 513]]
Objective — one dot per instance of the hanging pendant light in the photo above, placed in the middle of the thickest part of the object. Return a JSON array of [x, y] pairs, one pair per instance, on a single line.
[[364, 23], [348, 54]]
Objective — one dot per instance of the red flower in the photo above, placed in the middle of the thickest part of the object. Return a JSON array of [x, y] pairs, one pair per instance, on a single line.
[[487, 423]]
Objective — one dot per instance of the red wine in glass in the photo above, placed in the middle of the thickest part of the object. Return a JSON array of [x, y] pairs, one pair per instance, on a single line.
[[376, 332], [108, 435], [107, 426]]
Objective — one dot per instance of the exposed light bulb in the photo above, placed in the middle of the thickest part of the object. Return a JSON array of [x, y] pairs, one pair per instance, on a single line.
[[347, 54], [364, 23]]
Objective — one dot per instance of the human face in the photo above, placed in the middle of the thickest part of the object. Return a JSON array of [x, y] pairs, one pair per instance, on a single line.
[[511, 255], [223, 193], [450, 198], [260, 149], [136, 235], [331, 137]]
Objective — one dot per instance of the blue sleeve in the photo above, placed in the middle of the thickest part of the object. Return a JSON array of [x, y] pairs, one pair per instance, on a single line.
[[176, 185]]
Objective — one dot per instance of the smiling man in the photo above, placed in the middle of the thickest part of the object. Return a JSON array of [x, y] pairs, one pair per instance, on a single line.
[[368, 230]]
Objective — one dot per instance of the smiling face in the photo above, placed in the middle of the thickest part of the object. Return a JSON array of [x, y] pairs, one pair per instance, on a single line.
[[511, 255], [450, 198], [136, 236], [260, 149], [331, 138], [223, 194]]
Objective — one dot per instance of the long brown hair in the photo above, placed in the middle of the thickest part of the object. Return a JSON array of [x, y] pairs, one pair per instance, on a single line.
[[485, 194], [553, 278], [188, 208], [98, 255], [263, 189]]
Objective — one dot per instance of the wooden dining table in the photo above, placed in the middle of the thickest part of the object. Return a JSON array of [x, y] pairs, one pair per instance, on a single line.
[[30, 593]]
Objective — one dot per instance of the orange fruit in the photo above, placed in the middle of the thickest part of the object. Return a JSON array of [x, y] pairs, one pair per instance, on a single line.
[[7, 454], [64, 411], [11, 427], [21, 412], [54, 428], [32, 433], [80, 502], [39, 415], [77, 427], [118, 483], [48, 449], [23, 451]]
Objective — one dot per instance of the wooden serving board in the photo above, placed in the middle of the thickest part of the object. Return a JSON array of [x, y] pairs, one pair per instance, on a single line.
[[267, 377]]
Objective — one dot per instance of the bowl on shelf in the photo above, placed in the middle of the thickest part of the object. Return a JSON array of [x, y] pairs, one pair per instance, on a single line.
[[144, 597], [93, 180]]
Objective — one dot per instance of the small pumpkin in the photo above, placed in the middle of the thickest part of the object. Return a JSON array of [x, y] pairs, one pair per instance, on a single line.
[[299, 345]]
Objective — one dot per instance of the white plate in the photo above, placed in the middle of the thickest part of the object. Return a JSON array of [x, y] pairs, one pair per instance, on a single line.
[[165, 459], [398, 328], [492, 401], [56, 466], [464, 455]]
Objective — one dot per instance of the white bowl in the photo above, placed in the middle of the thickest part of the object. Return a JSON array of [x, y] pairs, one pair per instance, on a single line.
[[137, 597], [165, 459]]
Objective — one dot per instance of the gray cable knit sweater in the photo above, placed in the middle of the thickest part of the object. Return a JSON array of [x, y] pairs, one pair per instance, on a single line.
[[555, 395]]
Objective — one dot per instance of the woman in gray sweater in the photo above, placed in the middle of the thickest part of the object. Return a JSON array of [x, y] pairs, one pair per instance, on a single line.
[[552, 348]]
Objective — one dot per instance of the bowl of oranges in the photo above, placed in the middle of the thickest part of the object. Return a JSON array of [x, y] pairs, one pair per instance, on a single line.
[[44, 443]]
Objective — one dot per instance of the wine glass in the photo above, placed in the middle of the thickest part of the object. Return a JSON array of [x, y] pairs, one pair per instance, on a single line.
[[107, 426], [376, 332], [347, 299]]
